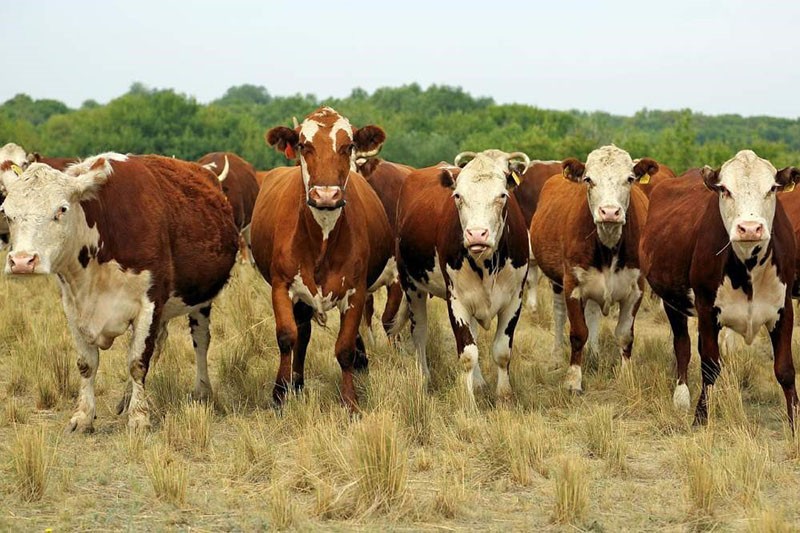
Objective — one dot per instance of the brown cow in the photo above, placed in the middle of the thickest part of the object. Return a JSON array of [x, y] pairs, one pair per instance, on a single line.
[[386, 179], [260, 177], [462, 237], [241, 188], [135, 241], [322, 240], [585, 237], [726, 255]]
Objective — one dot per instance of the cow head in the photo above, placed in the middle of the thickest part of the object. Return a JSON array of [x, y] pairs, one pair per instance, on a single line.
[[42, 206], [327, 147], [481, 193], [746, 186], [609, 175]]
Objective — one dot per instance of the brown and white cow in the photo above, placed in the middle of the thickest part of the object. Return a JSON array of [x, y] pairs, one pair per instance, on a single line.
[[728, 256], [585, 237], [321, 239], [386, 178], [462, 237], [238, 179], [134, 242]]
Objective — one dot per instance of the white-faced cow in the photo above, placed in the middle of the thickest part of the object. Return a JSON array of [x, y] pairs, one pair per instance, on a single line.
[[238, 179], [585, 237], [719, 246], [462, 237], [322, 240], [134, 241]]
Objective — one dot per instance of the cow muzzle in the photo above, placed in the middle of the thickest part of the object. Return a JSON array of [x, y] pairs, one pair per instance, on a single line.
[[22, 262], [477, 240], [749, 231], [611, 214], [326, 197]]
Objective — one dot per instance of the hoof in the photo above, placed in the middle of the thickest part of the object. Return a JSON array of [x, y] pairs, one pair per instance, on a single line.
[[202, 394], [139, 422], [681, 397], [573, 379], [80, 423]]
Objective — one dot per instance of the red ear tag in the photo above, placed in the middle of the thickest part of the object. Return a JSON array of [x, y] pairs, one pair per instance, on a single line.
[[289, 151]]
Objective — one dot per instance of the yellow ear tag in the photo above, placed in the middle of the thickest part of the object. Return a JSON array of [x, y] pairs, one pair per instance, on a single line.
[[644, 180], [516, 177], [790, 187], [17, 170]]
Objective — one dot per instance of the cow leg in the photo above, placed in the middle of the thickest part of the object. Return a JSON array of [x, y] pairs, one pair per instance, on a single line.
[[286, 333], [345, 348], [559, 321], [161, 342], [418, 314], [592, 312], [245, 249], [708, 346], [394, 299], [199, 322], [781, 336], [531, 283], [143, 342], [302, 316], [464, 329], [88, 360], [578, 333], [369, 311], [360, 359], [628, 308], [681, 344], [501, 348]]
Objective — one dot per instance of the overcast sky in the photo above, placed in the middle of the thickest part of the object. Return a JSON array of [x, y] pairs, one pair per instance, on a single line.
[[616, 56]]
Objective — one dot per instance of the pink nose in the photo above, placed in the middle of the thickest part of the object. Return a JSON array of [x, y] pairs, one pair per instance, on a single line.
[[477, 236], [325, 196], [22, 262], [610, 214], [750, 231]]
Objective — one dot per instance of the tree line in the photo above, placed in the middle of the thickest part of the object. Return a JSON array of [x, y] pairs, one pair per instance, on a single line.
[[423, 127]]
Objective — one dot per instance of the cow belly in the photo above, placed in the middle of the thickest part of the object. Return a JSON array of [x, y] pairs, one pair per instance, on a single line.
[[746, 315], [103, 303], [484, 297], [606, 286]]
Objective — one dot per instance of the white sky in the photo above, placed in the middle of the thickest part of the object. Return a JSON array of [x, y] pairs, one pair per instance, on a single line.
[[617, 56]]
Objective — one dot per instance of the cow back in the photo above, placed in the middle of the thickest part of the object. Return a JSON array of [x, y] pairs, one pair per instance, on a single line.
[[386, 179], [240, 185], [528, 192]]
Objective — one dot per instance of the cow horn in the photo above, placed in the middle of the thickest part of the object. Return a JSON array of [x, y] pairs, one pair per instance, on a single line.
[[224, 173], [367, 155], [520, 155], [463, 155], [295, 123]]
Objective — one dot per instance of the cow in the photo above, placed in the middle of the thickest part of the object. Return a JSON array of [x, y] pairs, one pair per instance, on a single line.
[[719, 246], [260, 177], [585, 237], [134, 241], [322, 240], [386, 178], [238, 179], [462, 237]]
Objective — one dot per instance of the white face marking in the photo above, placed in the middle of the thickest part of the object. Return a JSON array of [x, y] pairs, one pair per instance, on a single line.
[[481, 193], [744, 316], [610, 170], [45, 216], [750, 199], [341, 124]]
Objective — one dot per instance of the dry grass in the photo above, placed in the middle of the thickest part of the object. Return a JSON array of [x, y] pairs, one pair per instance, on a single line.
[[619, 457], [31, 463]]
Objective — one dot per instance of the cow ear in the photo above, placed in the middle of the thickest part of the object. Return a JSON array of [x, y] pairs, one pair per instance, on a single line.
[[516, 173], [447, 179], [645, 168], [368, 141], [787, 178], [87, 183], [710, 178], [284, 140], [573, 169]]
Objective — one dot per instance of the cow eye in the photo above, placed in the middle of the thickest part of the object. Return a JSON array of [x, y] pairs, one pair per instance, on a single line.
[[773, 189], [457, 196], [502, 196], [723, 190], [588, 181], [347, 149], [631, 179], [60, 212]]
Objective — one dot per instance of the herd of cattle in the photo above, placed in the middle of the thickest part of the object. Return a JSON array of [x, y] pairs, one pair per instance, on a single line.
[[136, 240]]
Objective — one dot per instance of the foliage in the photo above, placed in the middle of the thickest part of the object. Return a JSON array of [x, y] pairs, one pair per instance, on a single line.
[[423, 126]]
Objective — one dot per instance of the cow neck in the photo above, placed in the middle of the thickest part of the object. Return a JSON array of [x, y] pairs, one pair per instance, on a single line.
[[84, 242], [318, 240], [609, 235]]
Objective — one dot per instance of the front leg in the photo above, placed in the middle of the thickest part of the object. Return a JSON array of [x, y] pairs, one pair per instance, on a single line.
[[578, 333], [501, 348], [464, 330], [143, 342], [345, 348], [708, 346], [781, 336], [628, 308], [286, 332], [88, 360]]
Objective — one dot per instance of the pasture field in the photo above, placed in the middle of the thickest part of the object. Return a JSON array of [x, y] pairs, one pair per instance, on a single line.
[[617, 458]]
